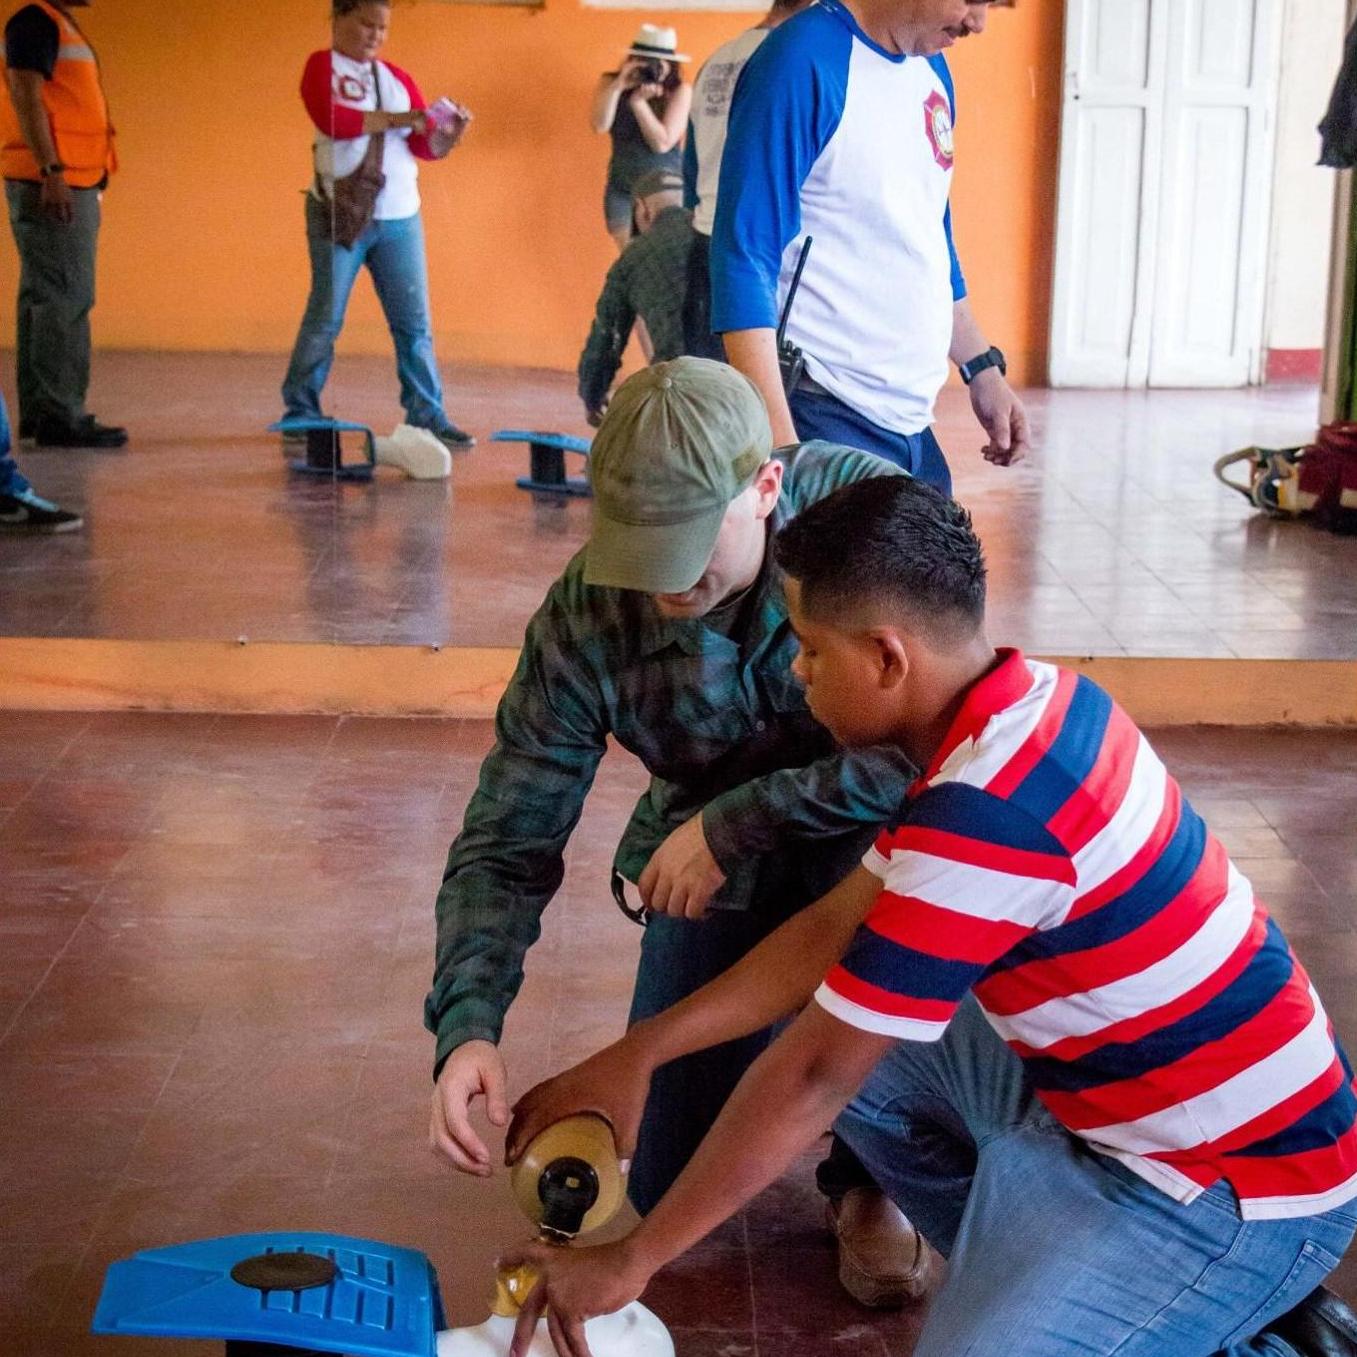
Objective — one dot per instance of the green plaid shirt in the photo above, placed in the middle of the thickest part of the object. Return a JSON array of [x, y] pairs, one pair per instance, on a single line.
[[720, 724], [649, 280]]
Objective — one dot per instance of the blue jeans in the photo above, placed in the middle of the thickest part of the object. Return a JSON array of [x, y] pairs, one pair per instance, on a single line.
[[394, 254], [1055, 1250], [817, 414], [12, 482]]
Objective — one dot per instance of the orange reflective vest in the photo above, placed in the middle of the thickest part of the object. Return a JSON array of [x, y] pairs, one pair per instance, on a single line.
[[76, 109]]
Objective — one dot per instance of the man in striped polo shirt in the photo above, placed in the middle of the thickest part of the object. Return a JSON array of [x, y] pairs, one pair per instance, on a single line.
[[1047, 1012]]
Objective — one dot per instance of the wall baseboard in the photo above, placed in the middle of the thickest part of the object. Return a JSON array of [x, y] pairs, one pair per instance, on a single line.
[[56, 674], [1295, 367]]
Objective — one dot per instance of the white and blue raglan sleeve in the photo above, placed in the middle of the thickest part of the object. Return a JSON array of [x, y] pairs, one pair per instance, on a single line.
[[787, 106], [939, 64], [958, 278]]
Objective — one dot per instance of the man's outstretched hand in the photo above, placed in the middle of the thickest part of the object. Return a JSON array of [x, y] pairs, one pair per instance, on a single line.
[[474, 1070], [614, 1084]]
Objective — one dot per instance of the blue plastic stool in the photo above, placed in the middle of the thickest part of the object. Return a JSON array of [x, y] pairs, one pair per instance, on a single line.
[[371, 1299], [546, 462], [331, 465]]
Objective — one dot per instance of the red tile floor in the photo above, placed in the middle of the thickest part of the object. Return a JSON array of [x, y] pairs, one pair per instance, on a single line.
[[215, 936], [1114, 540]]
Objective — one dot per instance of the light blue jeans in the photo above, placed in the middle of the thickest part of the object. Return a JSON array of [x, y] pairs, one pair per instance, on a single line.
[[393, 252], [1055, 1250], [12, 482]]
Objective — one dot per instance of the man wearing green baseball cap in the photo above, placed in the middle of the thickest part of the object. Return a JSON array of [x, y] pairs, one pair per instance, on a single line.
[[669, 633]]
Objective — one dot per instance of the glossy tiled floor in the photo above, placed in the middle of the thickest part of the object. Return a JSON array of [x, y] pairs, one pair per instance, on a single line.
[[1116, 539], [215, 935]]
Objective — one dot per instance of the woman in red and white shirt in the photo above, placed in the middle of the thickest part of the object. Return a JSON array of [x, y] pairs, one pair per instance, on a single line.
[[352, 97]]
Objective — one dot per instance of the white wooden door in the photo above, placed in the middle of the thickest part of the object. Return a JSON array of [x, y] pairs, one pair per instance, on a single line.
[[1165, 177], [1110, 132]]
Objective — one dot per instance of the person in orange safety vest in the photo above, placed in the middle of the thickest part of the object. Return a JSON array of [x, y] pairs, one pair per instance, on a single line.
[[56, 156]]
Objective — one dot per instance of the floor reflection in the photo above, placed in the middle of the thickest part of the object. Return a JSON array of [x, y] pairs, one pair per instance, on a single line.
[[1115, 540]]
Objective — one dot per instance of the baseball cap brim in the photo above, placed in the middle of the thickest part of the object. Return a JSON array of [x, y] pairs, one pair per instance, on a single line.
[[654, 558]]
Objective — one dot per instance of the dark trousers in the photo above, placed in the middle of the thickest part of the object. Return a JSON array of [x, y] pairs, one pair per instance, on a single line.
[[698, 340], [56, 296], [818, 414], [679, 956]]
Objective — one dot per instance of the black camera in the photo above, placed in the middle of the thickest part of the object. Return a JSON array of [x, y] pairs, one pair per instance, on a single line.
[[650, 73]]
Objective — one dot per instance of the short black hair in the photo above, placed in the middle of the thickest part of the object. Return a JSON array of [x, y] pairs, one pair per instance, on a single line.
[[339, 8], [889, 540]]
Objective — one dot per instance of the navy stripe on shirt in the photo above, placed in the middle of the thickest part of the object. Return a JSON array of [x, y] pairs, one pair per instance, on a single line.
[[1136, 905], [1240, 1001]]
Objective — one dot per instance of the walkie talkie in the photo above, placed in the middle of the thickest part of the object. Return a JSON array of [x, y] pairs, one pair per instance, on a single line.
[[790, 359]]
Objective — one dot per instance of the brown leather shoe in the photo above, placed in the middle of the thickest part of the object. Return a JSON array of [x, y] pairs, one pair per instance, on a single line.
[[883, 1259]]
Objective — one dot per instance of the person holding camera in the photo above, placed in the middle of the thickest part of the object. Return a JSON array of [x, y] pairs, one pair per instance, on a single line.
[[372, 129], [643, 106]]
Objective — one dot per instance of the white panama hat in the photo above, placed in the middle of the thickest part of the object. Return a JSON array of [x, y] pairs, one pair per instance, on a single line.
[[654, 41]]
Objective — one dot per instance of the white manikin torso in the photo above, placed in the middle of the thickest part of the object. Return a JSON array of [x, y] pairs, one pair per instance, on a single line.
[[632, 1332]]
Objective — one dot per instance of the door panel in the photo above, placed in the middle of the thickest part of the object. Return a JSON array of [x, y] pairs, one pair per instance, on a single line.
[[1109, 136], [1165, 177], [1212, 233], [1195, 321]]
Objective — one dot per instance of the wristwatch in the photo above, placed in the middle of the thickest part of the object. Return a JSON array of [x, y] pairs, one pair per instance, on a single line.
[[991, 358], [56, 167]]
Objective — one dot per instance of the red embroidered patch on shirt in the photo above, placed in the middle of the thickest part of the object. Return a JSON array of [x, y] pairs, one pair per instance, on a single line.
[[938, 125]]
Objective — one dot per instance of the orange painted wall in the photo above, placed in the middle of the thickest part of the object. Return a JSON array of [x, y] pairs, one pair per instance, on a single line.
[[203, 244]]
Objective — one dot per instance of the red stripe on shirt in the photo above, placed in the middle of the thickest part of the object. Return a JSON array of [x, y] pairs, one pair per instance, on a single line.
[[1132, 1029], [1145, 857], [1099, 796], [972, 852], [1034, 748], [1161, 935], [1304, 1174], [1282, 1115], [942, 932], [1198, 1072], [847, 986]]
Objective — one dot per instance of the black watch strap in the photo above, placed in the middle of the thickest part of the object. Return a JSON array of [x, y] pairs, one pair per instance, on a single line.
[[991, 358], [56, 167]]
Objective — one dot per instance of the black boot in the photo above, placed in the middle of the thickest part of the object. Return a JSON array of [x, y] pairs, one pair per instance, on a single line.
[[1322, 1325], [84, 433]]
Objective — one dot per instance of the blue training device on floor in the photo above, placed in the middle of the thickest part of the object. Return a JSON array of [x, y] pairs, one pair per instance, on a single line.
[[546, 454], [285, 1291], [324, 455]]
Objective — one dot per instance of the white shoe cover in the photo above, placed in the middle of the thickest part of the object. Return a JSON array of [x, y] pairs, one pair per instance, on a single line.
[[417, 452]]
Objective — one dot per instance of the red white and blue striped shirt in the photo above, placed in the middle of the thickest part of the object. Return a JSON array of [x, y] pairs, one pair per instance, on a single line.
[[1048, 862]]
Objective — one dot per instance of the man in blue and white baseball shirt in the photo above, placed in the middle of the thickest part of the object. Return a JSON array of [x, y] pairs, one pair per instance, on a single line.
[[841, 129]]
